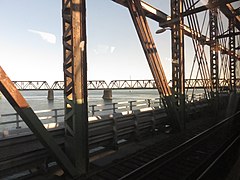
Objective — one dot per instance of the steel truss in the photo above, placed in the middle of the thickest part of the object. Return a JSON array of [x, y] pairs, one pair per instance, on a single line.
[[119, 84], [75, 83], [232, 59], [153, 59], [31, 85], [214, 69], [75, 160], [178, 71], [18, 102]]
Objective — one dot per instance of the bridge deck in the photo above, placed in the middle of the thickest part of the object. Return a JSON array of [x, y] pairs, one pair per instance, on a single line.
[[136, 154], [30, 149], [112, 141], [112, 163]]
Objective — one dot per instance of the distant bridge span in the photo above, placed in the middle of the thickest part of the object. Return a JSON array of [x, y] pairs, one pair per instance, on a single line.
[[118, 84]]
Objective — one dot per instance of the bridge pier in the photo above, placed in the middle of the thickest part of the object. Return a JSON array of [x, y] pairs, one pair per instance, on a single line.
[[107, 94], [50, 94]]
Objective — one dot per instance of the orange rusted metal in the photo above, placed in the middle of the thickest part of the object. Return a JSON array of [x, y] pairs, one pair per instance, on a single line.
[[8, 89]]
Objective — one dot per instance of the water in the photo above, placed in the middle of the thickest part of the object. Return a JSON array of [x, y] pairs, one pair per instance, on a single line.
[[38, 99]]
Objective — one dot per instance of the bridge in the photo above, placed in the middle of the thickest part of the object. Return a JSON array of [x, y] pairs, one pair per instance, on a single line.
[[121, 84], [180, 140]]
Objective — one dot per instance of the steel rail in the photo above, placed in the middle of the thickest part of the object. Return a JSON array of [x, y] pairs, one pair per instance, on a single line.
[[218, 158], [177, 150]]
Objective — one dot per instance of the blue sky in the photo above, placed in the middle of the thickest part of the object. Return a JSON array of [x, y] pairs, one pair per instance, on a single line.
[[31, 46], [114, 51]]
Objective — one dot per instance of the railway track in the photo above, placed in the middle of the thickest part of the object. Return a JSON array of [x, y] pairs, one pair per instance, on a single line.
[[184, 156]]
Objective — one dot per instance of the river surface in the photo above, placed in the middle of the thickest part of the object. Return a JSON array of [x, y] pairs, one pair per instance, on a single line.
[[38, 99]]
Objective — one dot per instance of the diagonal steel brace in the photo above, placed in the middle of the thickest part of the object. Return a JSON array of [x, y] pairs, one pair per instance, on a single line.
[[18, 102]]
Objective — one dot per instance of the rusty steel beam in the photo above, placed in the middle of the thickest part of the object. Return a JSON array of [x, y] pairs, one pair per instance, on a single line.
[[75, 83], [209, 5], [228, 35], [229, 12], [213, 14], [232, 61], [178, 70], [148, 45], [149, 11], [166, 20], [18, 102]]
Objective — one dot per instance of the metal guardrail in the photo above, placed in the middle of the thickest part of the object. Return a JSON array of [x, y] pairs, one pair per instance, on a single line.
[[111, 108], [13, 118], [57, 115], [105, 133]]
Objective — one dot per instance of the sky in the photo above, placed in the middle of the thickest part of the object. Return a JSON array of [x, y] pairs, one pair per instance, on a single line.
[[31, 41]]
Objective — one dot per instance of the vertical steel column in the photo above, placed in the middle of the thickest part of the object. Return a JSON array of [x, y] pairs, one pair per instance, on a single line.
[[232, 60], [75, 81], [178, 71], [213, 13], [153, 59]]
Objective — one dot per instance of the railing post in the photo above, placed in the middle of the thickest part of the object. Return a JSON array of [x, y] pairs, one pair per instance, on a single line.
[[17, 121], [130, 105], [149, 102], [93, 110], [56, 115], [114, 107]]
